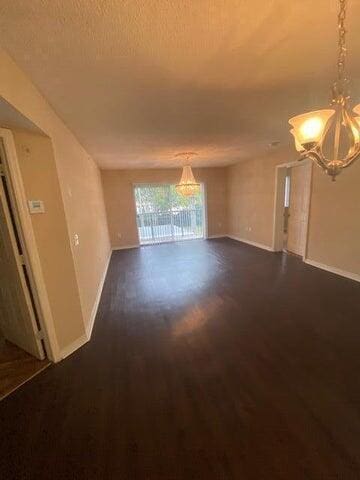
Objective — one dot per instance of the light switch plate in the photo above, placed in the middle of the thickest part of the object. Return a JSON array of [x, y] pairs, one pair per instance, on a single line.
[[36, 206]]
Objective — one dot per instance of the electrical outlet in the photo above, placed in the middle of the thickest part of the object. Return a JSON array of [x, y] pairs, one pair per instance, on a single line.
[[76, 240]]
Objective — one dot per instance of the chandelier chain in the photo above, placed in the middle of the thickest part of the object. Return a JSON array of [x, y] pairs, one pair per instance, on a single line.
[[342, 40]]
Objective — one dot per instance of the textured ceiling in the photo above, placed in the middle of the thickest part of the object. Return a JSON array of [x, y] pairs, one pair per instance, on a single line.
[[140, 80]]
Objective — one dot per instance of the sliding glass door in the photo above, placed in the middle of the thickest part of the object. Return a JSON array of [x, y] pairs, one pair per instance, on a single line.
[[163, 215]]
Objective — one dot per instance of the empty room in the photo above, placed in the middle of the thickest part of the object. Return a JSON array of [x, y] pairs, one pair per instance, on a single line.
[[179, 240]]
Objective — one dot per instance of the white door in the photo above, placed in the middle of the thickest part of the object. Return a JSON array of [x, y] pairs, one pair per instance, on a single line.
[[298, 209], [18, 321]]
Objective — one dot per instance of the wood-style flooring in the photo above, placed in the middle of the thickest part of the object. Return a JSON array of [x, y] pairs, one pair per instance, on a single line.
[[209, 360], [16, 367]]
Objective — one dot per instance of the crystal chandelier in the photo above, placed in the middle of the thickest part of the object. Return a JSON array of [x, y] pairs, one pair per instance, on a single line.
[[339, 124], [188, 185]]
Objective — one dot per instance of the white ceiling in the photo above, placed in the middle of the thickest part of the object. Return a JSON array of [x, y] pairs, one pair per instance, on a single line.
[[140, 80]]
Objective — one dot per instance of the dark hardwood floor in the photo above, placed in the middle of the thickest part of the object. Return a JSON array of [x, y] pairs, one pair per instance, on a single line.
[[16, 367], [209, 360]]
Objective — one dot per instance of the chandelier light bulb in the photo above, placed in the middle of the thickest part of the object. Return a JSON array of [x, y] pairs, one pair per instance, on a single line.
[[312, 129]]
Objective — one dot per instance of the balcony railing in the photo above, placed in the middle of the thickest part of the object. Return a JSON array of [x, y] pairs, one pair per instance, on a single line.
[[157, 227]]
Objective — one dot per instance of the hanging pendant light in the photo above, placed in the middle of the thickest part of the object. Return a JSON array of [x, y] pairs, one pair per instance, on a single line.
[[312, 130], [188, 185]]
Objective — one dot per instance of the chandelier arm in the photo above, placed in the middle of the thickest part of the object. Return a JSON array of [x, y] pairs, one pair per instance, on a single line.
[[353, 152], [336, 137], [316, 155], [353, 132], [351, 158]]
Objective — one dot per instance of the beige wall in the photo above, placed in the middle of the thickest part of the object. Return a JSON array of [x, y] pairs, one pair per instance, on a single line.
[[334, 223], [81, 191], [40, 179], [120, 206], [334, 230], [251, 196]]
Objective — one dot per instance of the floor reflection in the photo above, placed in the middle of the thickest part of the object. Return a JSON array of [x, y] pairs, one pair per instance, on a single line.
[[196, 317]]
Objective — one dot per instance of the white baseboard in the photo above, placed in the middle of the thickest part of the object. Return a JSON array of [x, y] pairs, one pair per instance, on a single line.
[[79, 342], [337, 271], [97, 299], [126, 247], [254, 244]]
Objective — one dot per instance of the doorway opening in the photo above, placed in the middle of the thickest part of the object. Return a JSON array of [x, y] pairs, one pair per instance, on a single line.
[[163, 215], [292, 205], [22, 348]]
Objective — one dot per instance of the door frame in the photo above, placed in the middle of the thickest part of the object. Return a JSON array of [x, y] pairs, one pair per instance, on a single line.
[[31, 254], [278, 218], [205, 209]]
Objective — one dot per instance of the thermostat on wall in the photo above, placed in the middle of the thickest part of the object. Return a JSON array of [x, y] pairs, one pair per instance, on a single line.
[[36, 206]]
